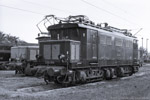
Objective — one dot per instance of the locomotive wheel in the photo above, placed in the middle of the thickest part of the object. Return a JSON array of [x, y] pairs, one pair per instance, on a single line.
[[135, 69], [60, 79], [28, 70], [112, 73], [131, 71], [107, 74], [63, 80], [120, 72], [101, 74]]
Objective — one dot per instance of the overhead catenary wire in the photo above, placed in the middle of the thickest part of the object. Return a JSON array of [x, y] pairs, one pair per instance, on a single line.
[[21, 9], [104, 10], [43, 5], [37, 4], [61, 10], [118, 8], [108, 3]]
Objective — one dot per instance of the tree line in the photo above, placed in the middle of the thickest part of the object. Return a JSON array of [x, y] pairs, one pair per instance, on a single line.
[[10, 40]]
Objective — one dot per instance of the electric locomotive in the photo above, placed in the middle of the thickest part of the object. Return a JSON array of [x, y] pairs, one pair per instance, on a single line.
[[78, 51]]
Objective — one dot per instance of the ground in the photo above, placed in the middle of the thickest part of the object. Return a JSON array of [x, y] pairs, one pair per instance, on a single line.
[[19, 87]]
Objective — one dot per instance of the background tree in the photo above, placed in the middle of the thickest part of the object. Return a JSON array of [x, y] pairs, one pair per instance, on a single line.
[[11, 40]]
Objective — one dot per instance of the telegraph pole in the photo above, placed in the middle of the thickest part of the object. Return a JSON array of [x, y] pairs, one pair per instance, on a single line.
[[142, 50], [142, 46], [146, 49], [147, 45]]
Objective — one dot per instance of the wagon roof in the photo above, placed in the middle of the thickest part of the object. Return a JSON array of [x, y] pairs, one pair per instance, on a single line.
[[25, 47]]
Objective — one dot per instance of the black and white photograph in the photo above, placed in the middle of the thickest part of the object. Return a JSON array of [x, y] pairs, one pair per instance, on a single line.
[[74, 50]]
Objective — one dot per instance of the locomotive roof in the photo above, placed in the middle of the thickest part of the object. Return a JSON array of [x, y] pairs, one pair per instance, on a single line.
[[63, 40], [81, 25], [81, 21], [64, 25]]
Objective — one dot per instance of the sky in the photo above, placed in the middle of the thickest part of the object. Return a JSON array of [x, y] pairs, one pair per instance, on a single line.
[[19, 17]]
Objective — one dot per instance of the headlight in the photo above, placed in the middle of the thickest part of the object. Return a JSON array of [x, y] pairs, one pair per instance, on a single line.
[[70, 71], [56, 70]]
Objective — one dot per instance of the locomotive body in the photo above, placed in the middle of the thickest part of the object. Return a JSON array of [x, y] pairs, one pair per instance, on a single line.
[[77, 51]]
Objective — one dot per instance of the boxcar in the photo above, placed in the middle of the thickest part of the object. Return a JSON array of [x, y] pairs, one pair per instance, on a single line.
[[27, 53], [21, 56]]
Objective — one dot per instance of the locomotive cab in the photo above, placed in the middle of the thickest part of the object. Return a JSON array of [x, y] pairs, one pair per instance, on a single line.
[[61, 56], [60, 52]]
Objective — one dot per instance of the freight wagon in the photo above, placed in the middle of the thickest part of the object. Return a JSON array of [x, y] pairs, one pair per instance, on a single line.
[[27, 53], [23, 55]]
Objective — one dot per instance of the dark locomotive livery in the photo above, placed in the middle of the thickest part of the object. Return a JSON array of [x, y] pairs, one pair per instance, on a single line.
[[77, 51]]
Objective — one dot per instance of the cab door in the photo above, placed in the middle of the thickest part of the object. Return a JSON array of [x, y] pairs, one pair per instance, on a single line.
[[94, 44], [135, 52]]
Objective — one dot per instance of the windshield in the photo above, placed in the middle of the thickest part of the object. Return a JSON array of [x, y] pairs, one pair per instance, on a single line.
[[71, 33]]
